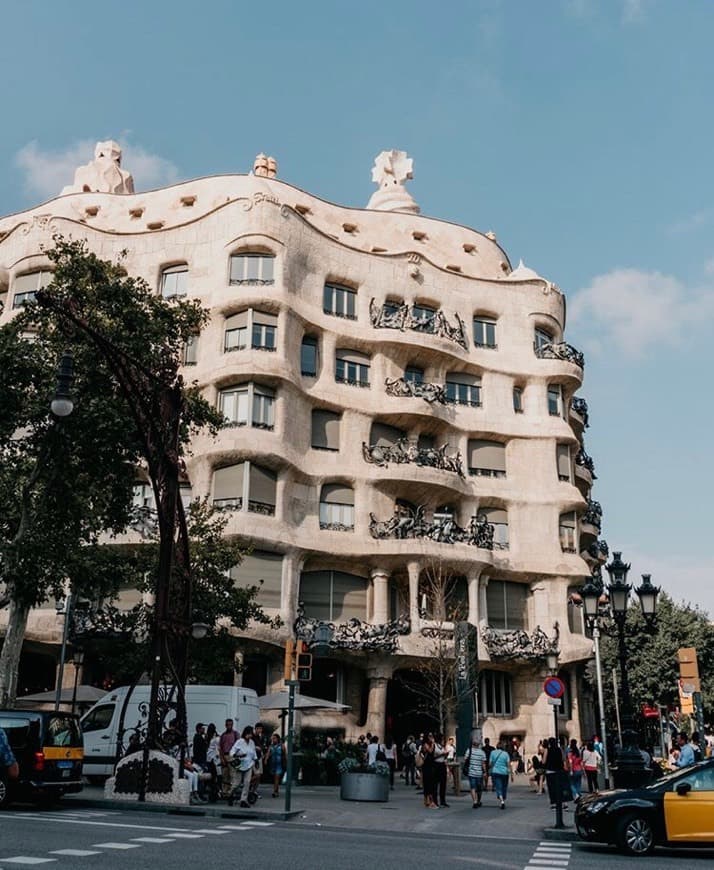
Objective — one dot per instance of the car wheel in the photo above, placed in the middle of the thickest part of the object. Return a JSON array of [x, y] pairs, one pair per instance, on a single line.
[[4, 795], [635, 835]]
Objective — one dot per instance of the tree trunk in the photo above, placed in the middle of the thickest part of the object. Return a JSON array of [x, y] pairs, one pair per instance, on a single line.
[[10, 655]]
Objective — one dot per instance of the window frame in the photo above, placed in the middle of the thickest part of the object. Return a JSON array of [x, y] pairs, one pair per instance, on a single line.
[[495, 691], [542, 337], [338, 300], [175, 270], [258, 280], [518, 407], [555, 409], [310, 341], [487, 324], [21, 298], [512, 624], [467, 390], [360, 370]]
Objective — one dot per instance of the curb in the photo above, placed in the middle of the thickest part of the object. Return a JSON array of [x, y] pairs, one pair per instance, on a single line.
[[183, 810], [567, 834]]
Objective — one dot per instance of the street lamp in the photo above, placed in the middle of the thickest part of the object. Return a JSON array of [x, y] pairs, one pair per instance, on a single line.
[[591, 595], [551, 660], [77, 661], [630, 766], [62, 404], [199, 630]]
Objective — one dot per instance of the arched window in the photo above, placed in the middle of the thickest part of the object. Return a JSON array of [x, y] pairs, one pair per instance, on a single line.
[[555, 400], [174, 281], [25, 287], [333, 596], [496, 694], [414, 375], [562, 458], [264, 570], [382, 435], [261, 326], [337, 507], [339, 301], [252, 267], [325, 429], [541, 338], [423, 318]]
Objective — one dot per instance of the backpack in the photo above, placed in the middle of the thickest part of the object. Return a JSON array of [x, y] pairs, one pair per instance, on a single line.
[[419, 760], [576, 763], [381, 756]]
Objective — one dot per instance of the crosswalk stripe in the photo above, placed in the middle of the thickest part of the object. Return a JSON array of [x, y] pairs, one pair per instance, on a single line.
[[257, 824], [27, 859], [152, 839], [122, 846], [75, 853]]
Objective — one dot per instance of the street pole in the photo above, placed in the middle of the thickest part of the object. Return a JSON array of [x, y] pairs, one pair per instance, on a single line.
[[617, 704], [291, 716], [601, 705], [63, 650]]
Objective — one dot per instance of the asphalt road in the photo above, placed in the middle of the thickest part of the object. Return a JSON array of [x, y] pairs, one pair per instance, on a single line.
[[84, 839]]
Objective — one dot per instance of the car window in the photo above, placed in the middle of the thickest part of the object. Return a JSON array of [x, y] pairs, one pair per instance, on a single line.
[[98, 719], [17, 731], [62, 731], [700, 780]]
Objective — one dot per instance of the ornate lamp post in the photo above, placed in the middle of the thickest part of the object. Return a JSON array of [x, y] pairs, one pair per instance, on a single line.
[[551, 660], [591, 595], [630, 768]]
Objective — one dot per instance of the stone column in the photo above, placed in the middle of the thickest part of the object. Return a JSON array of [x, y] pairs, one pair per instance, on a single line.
[[483, 601], [290, 590], [574, 703], [473, 597], [380, 599], [377, 701], [414, 570]]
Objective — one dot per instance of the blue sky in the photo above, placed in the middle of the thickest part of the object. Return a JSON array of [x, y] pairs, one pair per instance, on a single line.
[[579, 131]]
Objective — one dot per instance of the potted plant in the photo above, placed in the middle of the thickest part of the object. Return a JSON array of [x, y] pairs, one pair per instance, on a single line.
[[362, 782]]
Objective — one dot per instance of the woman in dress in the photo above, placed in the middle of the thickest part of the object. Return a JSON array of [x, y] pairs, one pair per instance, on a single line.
[[428, 771], [276, 762]]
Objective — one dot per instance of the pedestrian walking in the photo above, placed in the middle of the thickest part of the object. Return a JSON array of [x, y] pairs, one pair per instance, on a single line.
[[440, 753], [591, 763], [452, 765], [488, 749], [554, 772], [499, 766], [428, 772], [475, 764], [225, 744], [574, 762], [245, 755], [409, 751], [390, 754]]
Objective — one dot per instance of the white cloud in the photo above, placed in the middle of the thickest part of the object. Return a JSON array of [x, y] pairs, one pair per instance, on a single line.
[[637, 310], [46, 172]]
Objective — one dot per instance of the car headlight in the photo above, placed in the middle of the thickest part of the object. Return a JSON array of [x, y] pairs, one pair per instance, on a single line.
[[597, 806]]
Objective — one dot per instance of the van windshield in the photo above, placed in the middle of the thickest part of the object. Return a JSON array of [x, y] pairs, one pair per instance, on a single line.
[[62, 731]]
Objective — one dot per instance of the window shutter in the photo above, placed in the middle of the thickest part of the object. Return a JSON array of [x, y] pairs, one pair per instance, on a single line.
[[494, 515], [316, 594], [496, 604], [265, 319], [353, 356], [463, 378], [516, 605], [257, 566], [568, 520], [563, 457], [262, 485], [349, 597], [237, 320], [228, 481], [487, 454], [326, 429], [382, 435], [337, 493]]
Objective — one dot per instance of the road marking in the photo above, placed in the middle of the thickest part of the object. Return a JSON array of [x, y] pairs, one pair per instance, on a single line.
[[153, 840], [550, 855], [34, 817], [208, 831], [77, 853], [25, 859], [116, 846], [189, 836], [229, 828], [253, 824]]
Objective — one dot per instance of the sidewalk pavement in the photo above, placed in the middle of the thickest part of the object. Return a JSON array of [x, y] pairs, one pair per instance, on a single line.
[[527, 815]]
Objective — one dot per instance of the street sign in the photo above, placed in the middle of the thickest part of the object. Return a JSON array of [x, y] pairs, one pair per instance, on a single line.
[[554, 687], [555, 702]]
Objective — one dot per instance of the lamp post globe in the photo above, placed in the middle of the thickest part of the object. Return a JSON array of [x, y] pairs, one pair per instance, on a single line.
[[590, 595], [647, 593]]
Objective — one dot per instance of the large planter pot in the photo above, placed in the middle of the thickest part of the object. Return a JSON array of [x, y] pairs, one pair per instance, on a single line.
[[364, 787]]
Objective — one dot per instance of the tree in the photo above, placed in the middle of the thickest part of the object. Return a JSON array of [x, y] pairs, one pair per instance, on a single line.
[[652, 664], [64, 483]]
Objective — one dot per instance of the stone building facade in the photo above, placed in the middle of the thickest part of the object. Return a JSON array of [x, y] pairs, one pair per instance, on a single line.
[[400, 406]]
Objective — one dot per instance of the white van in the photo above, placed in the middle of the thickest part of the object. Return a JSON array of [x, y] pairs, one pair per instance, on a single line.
[[100, 724]]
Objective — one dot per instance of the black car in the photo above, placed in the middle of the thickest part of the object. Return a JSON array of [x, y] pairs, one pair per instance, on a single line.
[[677, 810], [49, 751]]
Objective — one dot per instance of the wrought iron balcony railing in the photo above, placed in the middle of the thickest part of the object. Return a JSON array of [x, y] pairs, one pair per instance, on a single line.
[[559, 350], [518, 645], [401, 316], [592, 515], [580, 406], [261, 507], [405, 525], [402, 388], [582, 459], [405, 451]]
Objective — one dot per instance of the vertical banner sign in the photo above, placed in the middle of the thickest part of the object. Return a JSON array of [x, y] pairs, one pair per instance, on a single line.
[[466, 652]]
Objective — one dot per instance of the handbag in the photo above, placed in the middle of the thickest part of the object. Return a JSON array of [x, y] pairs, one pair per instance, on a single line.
[[381, 756], [419, 760]]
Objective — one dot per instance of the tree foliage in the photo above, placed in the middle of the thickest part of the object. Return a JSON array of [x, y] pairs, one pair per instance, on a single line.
[[652, 663]]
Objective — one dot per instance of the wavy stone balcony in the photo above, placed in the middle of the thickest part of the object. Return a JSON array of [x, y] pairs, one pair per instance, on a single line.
[[404, 451], [590, 523], [584, 472], [403, 525], [401, 316]]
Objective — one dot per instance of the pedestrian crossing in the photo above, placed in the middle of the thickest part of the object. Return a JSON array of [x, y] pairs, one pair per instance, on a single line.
[[156, 835], [550, 855]]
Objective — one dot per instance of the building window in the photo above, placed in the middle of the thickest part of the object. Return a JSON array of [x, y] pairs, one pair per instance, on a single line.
[[498, 518], [496, 694], [264, 570], [463, 389], [308, 357], [518, 400], [555, 400], [261, 326], [423, 318], [541, 337], [325, 429], [339, 301], [426, 442], [562, 456], [506, 605], [143, 497], [352, 367], [487, 458], [327, 681], [392, 307], [252, 268], [337, 507], [248, 405], [576, 615], [26, 286], [568, 541], [245, 486], [190, 351], [414, 375], [333, 596], [174, 281], [186, 495], [382, 435], [485, 332], [442, 596]]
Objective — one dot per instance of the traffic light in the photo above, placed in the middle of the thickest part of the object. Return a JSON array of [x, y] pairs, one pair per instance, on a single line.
[[304, 662]]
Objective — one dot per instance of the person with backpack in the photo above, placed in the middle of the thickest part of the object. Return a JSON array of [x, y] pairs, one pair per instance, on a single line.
[[475, 765], [409, 752], [500, 767], [574, 763]]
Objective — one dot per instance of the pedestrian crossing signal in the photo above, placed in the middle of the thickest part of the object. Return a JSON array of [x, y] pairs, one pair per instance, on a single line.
[[304, 667]]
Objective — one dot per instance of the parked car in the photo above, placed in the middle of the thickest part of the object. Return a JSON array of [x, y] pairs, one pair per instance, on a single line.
[[49, 751], [677, 810]]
